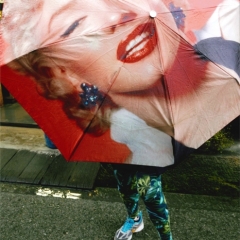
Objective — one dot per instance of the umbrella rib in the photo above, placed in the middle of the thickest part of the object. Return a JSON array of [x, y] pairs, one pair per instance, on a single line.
[[169, 104], [86, 129]]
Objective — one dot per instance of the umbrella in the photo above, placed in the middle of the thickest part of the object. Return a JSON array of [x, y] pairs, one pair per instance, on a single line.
[[139, 82]]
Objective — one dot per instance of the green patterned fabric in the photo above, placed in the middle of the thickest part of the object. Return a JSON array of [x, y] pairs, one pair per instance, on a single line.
[[133, 184]]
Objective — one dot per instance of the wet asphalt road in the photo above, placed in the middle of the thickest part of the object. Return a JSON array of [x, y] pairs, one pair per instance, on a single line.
[[36, 213]]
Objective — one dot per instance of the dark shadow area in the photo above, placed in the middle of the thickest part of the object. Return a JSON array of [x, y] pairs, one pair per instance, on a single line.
[[234, 128], [13, 114]]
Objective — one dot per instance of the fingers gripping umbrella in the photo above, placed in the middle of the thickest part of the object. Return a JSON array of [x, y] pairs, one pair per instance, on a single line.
[[139, 82]]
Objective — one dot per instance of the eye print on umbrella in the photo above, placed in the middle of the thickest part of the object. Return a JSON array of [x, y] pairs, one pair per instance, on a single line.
[[159, 77], [72, 27]]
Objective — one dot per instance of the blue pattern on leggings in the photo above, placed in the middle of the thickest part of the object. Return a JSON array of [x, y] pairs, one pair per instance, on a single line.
[[133, 185]]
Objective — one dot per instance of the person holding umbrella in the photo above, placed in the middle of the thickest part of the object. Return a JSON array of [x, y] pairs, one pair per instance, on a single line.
[[129, 100], [135, 182]]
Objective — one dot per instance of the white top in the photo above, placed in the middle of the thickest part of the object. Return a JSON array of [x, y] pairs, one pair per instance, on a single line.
[[149, 146]]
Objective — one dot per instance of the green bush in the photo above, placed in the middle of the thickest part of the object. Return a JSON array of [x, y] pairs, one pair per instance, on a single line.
[[218, 143]]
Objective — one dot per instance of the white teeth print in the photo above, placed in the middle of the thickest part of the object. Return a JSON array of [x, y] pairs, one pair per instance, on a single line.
[[131, 45], [142, 45], [138, 39], [135, 41], [138, 48], [143, 35]]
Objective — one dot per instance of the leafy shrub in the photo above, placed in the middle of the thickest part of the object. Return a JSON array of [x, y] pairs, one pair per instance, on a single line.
[[219, 142]]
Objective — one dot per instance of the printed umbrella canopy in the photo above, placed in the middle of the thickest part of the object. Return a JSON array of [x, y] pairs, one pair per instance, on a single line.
[[125, 81]]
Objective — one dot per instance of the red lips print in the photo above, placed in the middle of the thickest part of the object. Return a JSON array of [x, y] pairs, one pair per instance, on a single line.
[[138, 44]]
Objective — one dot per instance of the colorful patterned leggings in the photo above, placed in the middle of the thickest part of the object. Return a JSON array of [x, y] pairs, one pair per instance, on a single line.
[[133, 184]]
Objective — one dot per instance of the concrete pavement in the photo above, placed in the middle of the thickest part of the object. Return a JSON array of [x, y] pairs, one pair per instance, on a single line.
[[199, 174]]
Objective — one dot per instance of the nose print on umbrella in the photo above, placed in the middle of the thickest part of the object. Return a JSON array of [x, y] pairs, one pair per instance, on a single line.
[[90, 95]]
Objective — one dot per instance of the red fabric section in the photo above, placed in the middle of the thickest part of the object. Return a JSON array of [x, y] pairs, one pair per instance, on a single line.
[[67, 136]]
